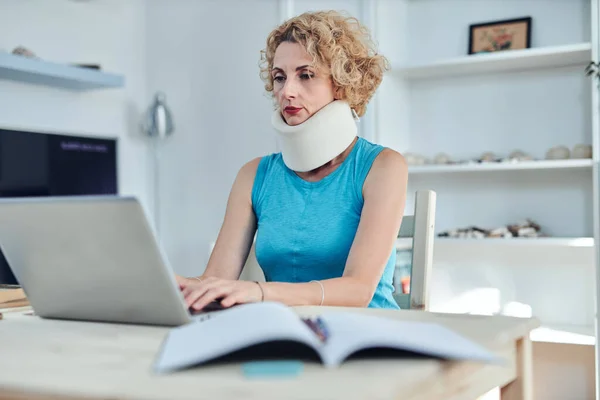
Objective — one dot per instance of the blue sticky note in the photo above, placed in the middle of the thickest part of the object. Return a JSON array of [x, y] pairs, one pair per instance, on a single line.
[[278, 368]]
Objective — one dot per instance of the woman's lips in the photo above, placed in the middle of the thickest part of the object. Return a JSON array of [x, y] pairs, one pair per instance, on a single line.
[[292, 110]]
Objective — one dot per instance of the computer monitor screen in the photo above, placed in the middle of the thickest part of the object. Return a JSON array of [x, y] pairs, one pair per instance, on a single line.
[[41, 164]]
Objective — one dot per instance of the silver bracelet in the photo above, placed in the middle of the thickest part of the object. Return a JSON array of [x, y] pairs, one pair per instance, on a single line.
[[322, 292], [195, 277], [262, 292]]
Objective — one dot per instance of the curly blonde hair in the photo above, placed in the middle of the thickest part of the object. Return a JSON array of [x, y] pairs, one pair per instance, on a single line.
[[338, 43]]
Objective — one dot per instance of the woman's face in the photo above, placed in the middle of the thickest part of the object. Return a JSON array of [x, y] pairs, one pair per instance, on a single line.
[[300, 89]]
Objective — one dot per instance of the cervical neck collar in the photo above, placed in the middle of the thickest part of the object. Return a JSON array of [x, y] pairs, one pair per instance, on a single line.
[[319, 139]]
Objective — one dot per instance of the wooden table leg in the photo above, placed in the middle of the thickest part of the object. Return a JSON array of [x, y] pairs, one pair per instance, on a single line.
[[522, 387]]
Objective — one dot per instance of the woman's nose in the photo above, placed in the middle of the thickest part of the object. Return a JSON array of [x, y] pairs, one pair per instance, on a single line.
[[289, 89]]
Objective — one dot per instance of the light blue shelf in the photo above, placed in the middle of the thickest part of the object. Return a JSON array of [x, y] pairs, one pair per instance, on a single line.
[[40, 72]]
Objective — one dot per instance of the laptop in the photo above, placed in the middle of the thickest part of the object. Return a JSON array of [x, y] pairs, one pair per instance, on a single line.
[[91, 258]]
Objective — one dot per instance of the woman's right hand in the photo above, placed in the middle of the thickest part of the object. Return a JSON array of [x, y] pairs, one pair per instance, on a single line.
[[182, 281]]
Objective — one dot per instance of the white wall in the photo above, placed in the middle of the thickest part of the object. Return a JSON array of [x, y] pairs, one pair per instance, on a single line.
[[109, 32], [431, 18], [204, 55]]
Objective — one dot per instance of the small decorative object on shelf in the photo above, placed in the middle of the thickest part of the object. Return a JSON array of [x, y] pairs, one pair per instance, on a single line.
[[488, 156], [488, 37], [415, 159], [24, 51], [519, 155], [442, 158], [558, 153], [582, 151], [89, 66], [526, 229]]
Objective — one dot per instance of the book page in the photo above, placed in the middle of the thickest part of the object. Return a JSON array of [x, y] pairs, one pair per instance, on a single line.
[[223, 332], [352, 332]]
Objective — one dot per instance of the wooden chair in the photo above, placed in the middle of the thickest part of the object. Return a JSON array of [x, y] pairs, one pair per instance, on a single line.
[[420, 228]]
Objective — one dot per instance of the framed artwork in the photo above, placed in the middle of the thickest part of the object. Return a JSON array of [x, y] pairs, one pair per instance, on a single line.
[[510, 34]]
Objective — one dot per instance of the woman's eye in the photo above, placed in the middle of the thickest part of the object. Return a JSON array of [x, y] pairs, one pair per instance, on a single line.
[[279, 79], [306, 76]]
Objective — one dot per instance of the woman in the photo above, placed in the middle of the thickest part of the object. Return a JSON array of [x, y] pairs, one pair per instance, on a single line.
[[327, 209]]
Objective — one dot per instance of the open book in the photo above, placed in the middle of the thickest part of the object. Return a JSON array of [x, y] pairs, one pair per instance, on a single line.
[[273, 330]]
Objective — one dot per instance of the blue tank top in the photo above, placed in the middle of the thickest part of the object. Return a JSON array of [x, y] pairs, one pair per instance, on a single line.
[[306, 229]]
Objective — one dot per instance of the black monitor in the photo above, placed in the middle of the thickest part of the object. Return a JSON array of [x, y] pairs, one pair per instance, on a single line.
[[34, 164]]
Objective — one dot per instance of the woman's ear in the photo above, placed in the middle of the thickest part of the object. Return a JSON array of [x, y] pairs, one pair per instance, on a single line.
[[337, 93]]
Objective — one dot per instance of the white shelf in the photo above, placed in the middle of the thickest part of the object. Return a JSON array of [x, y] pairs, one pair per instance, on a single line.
[[582, 242], [501, 166], [40, 72], [564, 334], [543, 241], [509, 60]]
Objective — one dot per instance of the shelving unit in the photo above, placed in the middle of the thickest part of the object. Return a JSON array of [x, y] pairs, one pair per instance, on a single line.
[[438, 99], [502, 166], [514, 60], [40, 72], [448, 244]]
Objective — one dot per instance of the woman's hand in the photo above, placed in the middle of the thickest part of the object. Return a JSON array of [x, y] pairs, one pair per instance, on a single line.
[[198, 294], [183, 282]]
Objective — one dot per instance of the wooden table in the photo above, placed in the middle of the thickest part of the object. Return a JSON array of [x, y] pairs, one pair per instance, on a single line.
[[51, 359]]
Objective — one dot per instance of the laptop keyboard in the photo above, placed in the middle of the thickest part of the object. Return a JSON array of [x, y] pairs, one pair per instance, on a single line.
[[206, 313]]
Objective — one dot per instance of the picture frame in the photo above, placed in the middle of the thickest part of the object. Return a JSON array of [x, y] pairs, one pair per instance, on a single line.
[[502, 35]]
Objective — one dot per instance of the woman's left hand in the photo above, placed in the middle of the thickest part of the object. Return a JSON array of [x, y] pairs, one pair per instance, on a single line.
[[198, 294]]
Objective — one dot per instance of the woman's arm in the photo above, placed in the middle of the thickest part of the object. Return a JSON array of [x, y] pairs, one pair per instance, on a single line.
[[384, 194], [237, 232]]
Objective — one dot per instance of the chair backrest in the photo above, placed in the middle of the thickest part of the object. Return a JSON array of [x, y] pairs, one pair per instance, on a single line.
[[420, 227]]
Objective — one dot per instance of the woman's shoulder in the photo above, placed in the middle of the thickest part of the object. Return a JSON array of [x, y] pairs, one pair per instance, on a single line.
[[271, 158], [253, 169], [376, 162], [248, 170], [389, 169], [391, 158], [258, 171], [381, 154], [253, 166]]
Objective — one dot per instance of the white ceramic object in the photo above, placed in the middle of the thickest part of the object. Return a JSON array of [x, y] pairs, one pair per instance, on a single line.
[[501, 232], [582, 151], [558, 153], [442, 158], [488, 156], [415, 159], [519, 155]]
